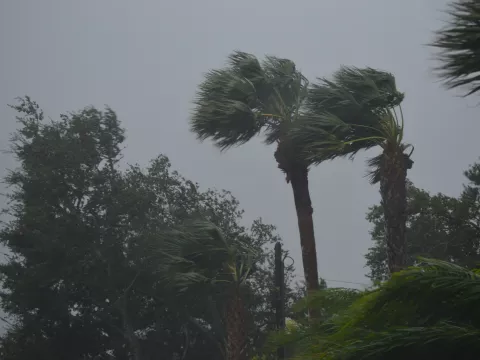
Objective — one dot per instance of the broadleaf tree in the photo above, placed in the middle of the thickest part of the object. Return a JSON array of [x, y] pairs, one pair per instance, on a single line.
[[82, 278]]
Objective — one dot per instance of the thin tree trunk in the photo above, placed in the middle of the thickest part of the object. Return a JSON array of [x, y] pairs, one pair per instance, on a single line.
[[236, 326], [297, 174], [298, 177], [129, 332], [393, 190]]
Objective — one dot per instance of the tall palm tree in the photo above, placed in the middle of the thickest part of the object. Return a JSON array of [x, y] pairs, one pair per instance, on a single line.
[[459, 46], [238, 102], [360, 109], [198, 261]]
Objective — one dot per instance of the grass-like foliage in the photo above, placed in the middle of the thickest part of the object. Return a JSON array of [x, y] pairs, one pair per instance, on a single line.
[[427, 311]]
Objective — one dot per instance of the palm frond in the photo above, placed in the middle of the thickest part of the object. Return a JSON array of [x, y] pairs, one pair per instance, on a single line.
[[372, 88], [225, 109], [247, 66], [440, 341], [235, 103], [459, 46], [354, 90], [375, 165], [411, 297], [428, 311], [197, 253], [327, 136], [350, 112]]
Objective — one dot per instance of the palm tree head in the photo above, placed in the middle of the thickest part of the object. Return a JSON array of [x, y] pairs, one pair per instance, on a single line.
[[358, 108], [459, 47], [235, 103], [199, 253]]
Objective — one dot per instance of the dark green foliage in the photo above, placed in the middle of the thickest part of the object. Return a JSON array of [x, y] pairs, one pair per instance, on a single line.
[[89, 244], [235, 103], [429, 311], [353, 111], [438, 226], [329, 304], [459, 46]]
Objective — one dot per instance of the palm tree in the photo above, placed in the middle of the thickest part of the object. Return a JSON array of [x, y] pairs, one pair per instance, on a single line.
[[236, 103], [429, 311], [199, 262], [459, 46], [360, 109]]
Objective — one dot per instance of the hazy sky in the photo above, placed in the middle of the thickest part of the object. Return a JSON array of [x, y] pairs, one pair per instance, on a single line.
[[145, 58]]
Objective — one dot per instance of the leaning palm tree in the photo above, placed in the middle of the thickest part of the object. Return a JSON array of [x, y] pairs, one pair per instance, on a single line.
[[459, 46], [359, 109], [236, 103], [199, 262]]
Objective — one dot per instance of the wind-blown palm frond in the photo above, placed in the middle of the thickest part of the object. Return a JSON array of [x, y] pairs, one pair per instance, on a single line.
[[370, 87], [428, 311], [351, 112], [441, 341], [197, 256], [225, 109], [375, 164], [203, 247], [197, 260], [418, 290], [459, 46], [234, 104]]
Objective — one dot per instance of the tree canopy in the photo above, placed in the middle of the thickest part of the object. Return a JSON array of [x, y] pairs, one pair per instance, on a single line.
[[91, 248]]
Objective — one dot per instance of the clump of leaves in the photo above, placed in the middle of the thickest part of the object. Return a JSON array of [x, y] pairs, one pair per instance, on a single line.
[[424, 311]]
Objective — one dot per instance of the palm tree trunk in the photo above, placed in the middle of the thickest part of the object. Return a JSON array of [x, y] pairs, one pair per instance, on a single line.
[[393, 179], [298, 177], [236, 326]]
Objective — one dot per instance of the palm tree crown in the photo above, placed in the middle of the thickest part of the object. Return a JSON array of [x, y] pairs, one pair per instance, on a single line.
[[354, 111], [238, 102], [197, 260]]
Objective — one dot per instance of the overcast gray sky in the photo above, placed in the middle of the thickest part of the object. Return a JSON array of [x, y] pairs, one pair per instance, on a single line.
[[145, 58]]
